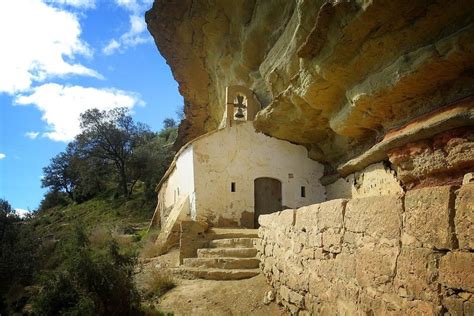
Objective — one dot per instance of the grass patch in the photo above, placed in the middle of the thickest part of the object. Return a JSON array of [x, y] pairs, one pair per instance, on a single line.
[[159, 284], [149, 248]]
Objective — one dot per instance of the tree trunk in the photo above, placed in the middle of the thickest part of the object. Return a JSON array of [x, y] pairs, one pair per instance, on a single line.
[[123, 180]]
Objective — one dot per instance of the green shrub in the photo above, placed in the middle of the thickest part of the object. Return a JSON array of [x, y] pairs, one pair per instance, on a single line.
[[53, 199], [90, 281]]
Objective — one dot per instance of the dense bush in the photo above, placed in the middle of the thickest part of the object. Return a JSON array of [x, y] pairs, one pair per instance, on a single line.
[[52, 199], [18, 251], [90, 281]]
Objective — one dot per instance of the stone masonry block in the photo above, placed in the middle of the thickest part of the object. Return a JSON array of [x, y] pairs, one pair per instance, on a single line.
[[416, 274], [456, 270], [266, 220], [285, 218], [375, 266], [332, 241], [428, 213], [331, 214], [378, 216], [306, 217], [464, 218]]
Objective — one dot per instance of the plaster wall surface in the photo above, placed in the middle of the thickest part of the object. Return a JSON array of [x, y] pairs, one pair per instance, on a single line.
[[374, 180], [180, 182], [239, 154]]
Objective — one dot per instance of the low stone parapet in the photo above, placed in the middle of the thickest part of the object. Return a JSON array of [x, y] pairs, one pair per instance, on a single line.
[[400, 254]]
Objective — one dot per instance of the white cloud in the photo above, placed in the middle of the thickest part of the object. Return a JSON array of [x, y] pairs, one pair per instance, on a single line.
[[131, 5], [81, 4], [32, 135], [2, 155], [136, 34], [39, 42], [111, 47], [62, 105], [21, 212]]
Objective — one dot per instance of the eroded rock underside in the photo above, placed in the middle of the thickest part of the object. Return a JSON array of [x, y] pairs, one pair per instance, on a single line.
[[335, 76]]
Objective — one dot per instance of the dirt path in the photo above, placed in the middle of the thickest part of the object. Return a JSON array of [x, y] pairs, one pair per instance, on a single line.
[[207, 297]]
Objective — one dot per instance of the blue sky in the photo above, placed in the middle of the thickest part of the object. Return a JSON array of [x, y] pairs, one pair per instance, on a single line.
[[59, 58]]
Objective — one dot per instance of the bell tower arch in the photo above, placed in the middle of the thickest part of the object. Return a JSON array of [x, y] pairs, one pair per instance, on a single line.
[[241, 104]]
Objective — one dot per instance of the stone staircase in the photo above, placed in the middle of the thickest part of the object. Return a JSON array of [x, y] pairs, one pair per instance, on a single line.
[[230, 255]]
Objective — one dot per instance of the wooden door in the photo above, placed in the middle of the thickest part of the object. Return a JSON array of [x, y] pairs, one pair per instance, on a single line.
[[267, 197]]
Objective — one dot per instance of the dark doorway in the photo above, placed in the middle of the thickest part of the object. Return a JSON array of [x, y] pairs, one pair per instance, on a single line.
[[267, 197]]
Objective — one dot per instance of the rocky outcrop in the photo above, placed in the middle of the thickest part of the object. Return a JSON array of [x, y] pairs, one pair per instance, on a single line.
[[394, 254], [442, 159], [335, 76]]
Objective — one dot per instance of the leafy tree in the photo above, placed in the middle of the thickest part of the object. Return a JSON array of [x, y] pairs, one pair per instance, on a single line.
[[7, 216], [80, 177], [111, 147], [169, 123], [112, 136], [150, 161], [60, 175]]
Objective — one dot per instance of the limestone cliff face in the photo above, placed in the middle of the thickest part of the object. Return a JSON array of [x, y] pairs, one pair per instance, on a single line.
[[335, 76]]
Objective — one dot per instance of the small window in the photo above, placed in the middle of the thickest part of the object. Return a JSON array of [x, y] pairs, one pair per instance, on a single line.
[[232, 187], [303, 191]]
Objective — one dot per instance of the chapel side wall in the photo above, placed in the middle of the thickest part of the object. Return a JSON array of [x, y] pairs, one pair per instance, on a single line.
[[406, 254], [239, 154], [179, 183]]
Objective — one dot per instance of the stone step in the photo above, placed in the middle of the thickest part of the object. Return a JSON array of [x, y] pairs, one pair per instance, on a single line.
[[232, 243], [221, 233], [222, 263], [226, 252], [216, 274]]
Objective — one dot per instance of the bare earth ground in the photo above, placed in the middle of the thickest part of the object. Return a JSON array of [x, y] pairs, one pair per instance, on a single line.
[[207, 297]]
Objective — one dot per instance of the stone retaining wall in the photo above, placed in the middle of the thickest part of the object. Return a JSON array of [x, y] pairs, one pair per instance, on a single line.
[[401, 255]]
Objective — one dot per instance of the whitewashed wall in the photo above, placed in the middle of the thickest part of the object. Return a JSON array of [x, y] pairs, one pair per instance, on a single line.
[[239, 154], [180, 182]]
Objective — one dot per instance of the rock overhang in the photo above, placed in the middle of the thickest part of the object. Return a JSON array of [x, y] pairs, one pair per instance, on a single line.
[[333, 76]]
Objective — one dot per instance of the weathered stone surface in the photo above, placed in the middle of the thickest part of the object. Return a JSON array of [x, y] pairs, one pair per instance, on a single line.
[[217, 274], [222, 263], [416, 274], [169, 234], [375, 266], [375, 216], [456, 271], [226, 252], [330, 215], [375, 180], [468, 178], [366, 266], [192, 237], [429, 214], [464, 217], [331, 75], [454, 305], [432, 161], [306, 217]]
